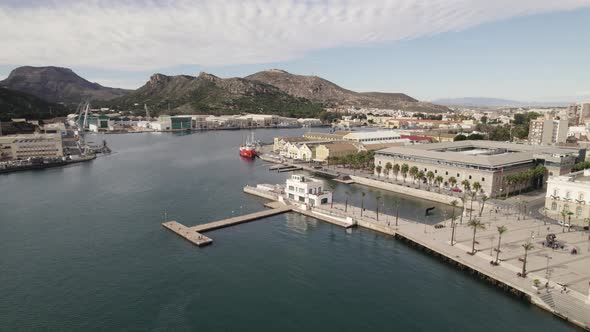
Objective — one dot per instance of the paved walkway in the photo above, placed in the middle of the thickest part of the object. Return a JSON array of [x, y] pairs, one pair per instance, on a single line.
[[561, 268]]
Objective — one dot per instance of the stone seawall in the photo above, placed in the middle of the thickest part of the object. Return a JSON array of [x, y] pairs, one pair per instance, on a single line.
[[429, 195]]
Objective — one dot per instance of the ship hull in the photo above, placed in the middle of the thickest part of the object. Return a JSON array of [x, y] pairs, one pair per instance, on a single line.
[[251, 154]]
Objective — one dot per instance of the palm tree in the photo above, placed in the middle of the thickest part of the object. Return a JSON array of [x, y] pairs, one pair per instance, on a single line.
[[377, 199], [510, 180], [476, 186], [564, 213], [413, 172], [473, 194], [430, 177], [332, 186], [463, 201], [378, 169], [439, 180], [501, 230], [419, 177], [405, 168], [396, 169], [346, 202], [397, 203], [475, 224], [484, 199], [388, 168], [453, 181], [466, 185], [363, 202], [454, 204], [527, 246]]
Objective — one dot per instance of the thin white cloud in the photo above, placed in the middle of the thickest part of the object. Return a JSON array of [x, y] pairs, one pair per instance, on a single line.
[[144, 35]]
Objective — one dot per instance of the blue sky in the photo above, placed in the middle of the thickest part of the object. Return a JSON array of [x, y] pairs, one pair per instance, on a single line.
[[536, 52]]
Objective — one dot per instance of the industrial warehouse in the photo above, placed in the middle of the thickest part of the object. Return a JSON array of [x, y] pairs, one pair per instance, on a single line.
[[486, 162]]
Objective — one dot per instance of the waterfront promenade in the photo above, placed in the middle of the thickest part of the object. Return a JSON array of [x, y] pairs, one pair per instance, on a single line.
[[555, 267]]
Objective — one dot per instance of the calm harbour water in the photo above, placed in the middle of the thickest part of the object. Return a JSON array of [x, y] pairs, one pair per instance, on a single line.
[[82, 249]]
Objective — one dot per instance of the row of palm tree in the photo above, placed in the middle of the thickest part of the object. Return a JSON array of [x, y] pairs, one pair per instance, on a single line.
[[363, 159], [531, 177], [419, 176]]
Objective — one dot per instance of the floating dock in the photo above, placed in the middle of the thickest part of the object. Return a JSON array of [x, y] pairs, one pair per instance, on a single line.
[[240, 219], [195, 238], [193, 234]]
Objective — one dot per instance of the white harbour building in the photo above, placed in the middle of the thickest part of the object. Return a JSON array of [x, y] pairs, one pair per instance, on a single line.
[[307, 190], [570, 193]]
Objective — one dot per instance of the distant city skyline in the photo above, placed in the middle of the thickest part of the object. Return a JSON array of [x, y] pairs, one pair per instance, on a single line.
[[525, 51]]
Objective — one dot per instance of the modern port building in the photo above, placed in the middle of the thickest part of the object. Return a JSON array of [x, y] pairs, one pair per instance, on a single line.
[[486, 162]]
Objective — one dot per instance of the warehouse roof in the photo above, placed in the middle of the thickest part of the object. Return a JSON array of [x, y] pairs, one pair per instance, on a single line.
[[481, 153]]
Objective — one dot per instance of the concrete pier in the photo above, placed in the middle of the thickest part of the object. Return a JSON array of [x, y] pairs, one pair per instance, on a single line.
[[188, 234], [193, 234], [240, 219]]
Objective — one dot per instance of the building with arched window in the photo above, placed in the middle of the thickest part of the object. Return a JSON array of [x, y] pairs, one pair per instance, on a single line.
[[569, 193]]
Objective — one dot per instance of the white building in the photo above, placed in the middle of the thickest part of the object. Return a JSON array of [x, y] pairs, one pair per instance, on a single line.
[[548, 130], [571, 193], [375, 137], [307, 190], [20, 147]]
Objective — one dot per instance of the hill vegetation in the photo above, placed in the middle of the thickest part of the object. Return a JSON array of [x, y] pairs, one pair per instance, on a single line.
[[208, 94], [16, 104]]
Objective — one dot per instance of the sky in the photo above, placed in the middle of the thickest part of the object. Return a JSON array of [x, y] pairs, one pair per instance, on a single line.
[[528, 50]]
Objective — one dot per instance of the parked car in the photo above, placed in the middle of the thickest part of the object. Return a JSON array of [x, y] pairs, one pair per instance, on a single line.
[[457, 190], [564, 224]]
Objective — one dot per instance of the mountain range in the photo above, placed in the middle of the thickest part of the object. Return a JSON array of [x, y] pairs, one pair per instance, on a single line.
[[271, 91], [493, 102], [58, 85]]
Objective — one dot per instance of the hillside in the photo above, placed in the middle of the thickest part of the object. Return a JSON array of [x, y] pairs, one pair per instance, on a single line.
[[58, 85], [16, 104], [329, 94], [209, 94]]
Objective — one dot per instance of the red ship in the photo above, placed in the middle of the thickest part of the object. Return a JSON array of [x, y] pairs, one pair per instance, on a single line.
[[248, 150]]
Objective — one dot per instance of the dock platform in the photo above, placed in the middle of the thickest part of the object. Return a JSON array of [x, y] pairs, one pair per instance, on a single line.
[[240, 219], [195, 238], [193, 234]]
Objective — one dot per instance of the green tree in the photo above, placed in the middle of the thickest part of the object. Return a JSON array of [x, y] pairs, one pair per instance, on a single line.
[[460, 137], [332, 187], [405, 168], [476, 224], [527, 246], [473, 195], [388, 168], [501, 230], [346, 202], [466, 185], [363, 194], [484, 199], [439, 180], [413, 172], [396, 169], [454, 204], [453, 181], [476, 186], [565, 213], [377, 199], [463, 201], [420, 177], [378, 169], [430, 176]]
